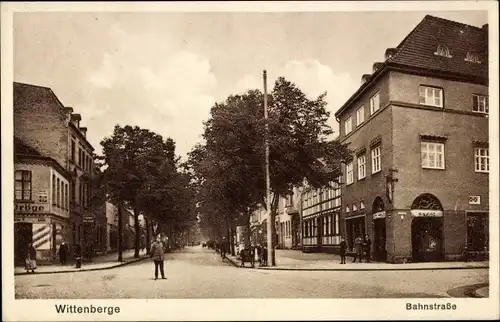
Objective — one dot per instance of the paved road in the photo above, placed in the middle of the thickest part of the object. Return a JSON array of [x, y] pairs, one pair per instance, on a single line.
[[200, 273]]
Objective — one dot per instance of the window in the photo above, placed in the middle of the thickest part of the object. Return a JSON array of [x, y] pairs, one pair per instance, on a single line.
[[354, 207], [481, 160], [54, 195], [473, 58], [337, 224], [361, 205], [361, 167], [347, 209], [442, 50], [58, 196], [350, 173], [348, 125], [22, 185], [480, 103], [73, 151], [73, 191], [66, 196], [376, 164], [360, 115], [432, 96], [432, 155], [374, 103]]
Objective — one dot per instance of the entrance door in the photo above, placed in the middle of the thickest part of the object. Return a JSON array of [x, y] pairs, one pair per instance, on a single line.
[[23, 236], [379, 252], [427, 239], [355, 227]]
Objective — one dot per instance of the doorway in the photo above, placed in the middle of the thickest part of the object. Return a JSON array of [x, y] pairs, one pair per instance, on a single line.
[[354, 227], [427, 239], [379, 251], [23, 233]]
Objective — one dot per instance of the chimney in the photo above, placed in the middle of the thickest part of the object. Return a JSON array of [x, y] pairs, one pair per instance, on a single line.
[[84, 131], [76, 118], [390, 52], [377, 66], [365, 78]]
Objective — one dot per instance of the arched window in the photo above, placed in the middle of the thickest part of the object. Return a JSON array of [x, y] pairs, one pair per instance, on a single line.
[[427, 201], [378, 205], [473, 58], [442, 50]]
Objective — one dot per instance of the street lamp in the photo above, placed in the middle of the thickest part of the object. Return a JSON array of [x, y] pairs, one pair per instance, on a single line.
[[268, 180]]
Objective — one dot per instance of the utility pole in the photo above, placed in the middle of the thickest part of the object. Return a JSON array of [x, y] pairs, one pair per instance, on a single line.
[[270, 248]]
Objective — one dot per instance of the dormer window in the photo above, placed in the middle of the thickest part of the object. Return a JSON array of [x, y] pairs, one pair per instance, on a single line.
[[442, 50], [473, 58]]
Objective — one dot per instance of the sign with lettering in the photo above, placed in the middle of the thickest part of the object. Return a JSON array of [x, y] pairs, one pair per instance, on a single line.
[[379, 215], [426, 213], [88, 218], [43, 196], [474, 200], [29, 207]]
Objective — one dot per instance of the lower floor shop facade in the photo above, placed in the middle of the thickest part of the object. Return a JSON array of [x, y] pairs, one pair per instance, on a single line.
[[425, 232]]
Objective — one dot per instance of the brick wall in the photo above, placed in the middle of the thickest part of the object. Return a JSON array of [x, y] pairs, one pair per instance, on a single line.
[[41, 122]]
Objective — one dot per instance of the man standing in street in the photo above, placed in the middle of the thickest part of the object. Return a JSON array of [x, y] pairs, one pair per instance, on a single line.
[[343, 250], [223, 247], [158, 257]]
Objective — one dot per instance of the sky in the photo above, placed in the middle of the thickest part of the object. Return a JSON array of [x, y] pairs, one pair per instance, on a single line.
[[164, 71]]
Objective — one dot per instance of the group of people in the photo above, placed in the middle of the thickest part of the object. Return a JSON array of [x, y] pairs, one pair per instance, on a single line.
[[63, 252], [362, 248]]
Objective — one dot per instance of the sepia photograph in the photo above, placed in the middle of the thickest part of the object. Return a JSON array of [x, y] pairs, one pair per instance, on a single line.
[[346, 155]]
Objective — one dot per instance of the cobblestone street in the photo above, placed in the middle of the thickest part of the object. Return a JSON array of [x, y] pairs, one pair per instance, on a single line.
[[199, 273]]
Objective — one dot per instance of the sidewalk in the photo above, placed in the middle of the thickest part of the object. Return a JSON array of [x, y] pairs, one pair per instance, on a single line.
[[98, 263], [482, 292], [295, 260]]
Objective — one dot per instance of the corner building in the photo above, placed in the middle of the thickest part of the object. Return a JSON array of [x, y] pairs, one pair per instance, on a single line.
[[417, 181]]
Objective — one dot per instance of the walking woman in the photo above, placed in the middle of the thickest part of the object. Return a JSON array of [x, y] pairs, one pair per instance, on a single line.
[[158, 257], [31, 259]]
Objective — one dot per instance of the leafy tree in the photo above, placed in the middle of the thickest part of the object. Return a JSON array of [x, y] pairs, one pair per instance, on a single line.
[[128, 156], [300, 148]]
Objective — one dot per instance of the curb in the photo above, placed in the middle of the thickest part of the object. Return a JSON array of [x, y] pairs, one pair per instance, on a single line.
[[86, 269], [234, 263], [478, 294], [468, 291]]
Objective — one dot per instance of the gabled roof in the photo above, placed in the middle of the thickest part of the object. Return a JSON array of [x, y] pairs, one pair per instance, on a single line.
[[22, 148], [21, 88], [418, 48], [416, 52]]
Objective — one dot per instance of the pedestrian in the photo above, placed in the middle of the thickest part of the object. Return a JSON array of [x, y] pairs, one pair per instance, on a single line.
[[343, 250], [358, 248], [158, 257], [368, 246], [63, 252], [78, 255], [31, 259], [223, 247]]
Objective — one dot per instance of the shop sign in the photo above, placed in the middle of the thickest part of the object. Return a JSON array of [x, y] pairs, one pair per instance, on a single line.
[[426, 213], [474, 200], [29, 207], [379, 215], [88, 219]]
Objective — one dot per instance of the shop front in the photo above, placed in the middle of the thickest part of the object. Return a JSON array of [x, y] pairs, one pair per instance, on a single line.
[[427, 236]]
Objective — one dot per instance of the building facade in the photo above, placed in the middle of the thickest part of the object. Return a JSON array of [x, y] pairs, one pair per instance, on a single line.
[[417, 181], [43, 123], [41, 203], [321, 219]]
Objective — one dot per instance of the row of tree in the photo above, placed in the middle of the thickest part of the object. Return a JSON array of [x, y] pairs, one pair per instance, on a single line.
[[228, 168], [140, 171]]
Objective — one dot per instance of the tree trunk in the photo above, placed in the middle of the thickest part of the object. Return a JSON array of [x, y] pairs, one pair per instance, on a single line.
[[233, 230], [248, 231], [120, 232], [137, 234], [148, 235]]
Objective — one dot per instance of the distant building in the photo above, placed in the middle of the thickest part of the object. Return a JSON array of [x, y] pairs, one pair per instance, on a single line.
[[112, 228], [417, 181], [320, 213], [41, 203]]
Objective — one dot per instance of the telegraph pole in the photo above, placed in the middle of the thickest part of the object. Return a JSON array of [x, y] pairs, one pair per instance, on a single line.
[[268, 179]]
